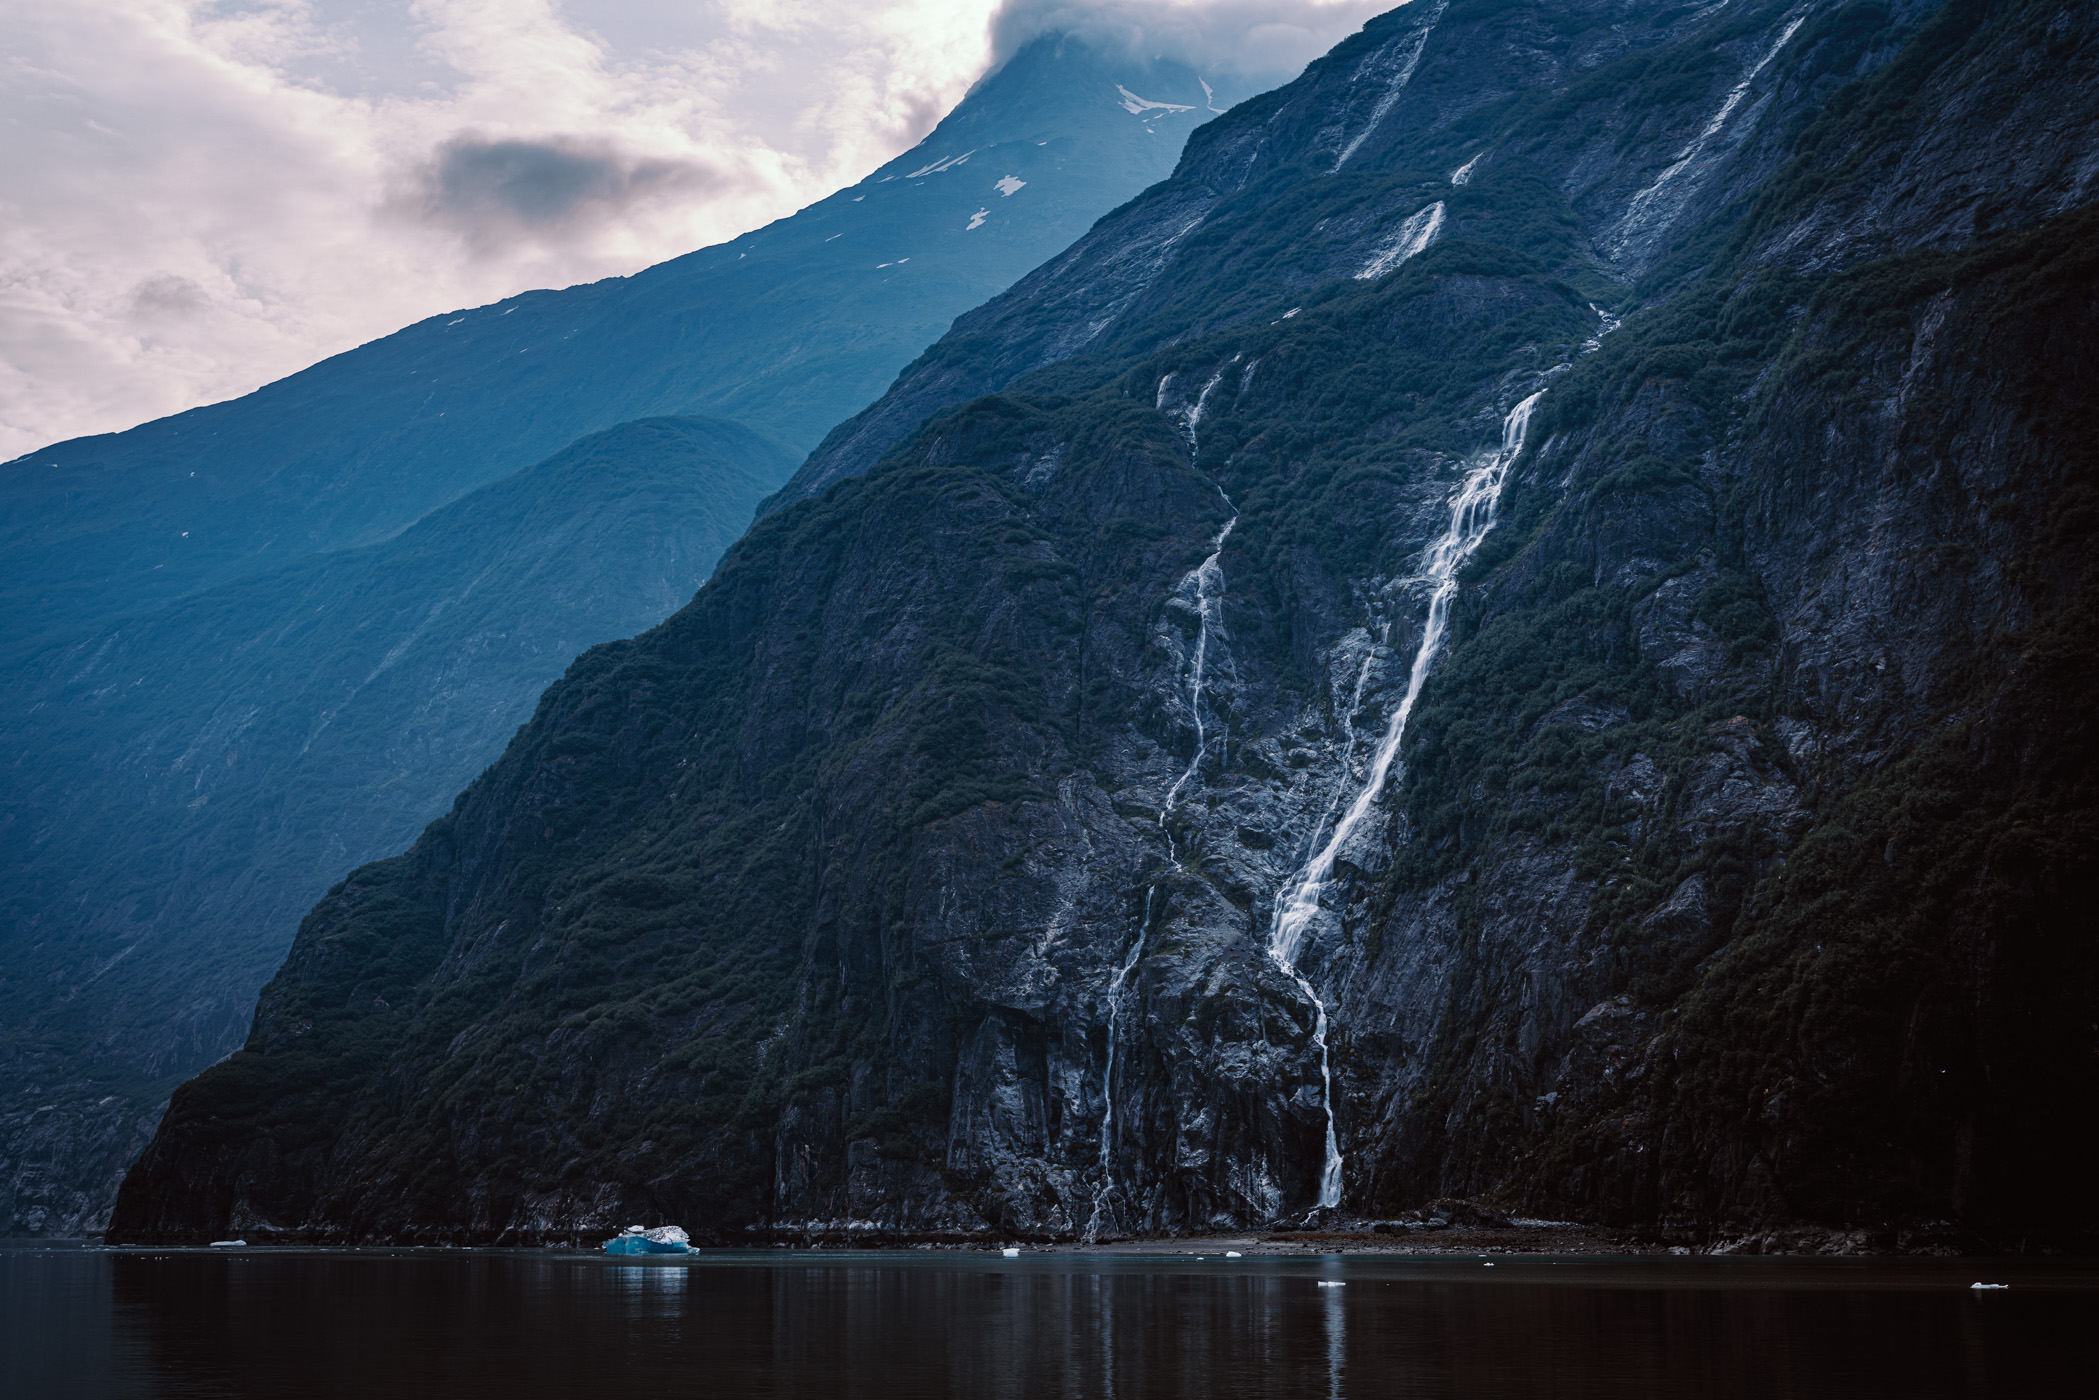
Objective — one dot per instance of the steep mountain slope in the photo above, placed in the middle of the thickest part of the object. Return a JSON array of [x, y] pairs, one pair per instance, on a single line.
[[181, 786], [1346, 721], [196, 749], [787, 330]]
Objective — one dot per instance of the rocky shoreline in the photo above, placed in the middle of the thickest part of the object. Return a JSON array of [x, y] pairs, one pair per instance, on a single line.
[[1447, 1228]]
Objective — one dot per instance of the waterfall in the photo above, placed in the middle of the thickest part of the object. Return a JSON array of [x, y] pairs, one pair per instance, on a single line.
[[1401, 77], [1191, 415], [1208, 578], [1636, 217], [1471, 517], [1407, 241]]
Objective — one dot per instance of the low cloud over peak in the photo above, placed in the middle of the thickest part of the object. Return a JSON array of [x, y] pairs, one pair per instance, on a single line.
[[1262, 42]]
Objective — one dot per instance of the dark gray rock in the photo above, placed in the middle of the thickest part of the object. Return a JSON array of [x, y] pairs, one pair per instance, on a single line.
[[1727, 879]]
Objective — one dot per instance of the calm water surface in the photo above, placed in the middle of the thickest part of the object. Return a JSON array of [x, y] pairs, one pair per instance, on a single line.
[[461, 1323]]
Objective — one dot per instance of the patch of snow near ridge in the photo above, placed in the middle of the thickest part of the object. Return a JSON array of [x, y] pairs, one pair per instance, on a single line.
[[1009, 186], [1137, 106], [976, 219], [939, 165], [1463, 174]]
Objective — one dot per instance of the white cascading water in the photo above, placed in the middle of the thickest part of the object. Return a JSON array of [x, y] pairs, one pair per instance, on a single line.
[[1471, 517], [1208, 577], [1636, 211], [1403, 74]]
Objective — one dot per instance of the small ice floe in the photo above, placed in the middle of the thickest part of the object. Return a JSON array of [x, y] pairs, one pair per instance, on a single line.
[[1010, 1253], [243, 1244], [663, 1239], [1989, 1286], [1332, 1283], [1231, 1254]]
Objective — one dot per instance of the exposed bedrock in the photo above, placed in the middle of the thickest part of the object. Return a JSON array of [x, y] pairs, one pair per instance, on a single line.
[[925, 873]]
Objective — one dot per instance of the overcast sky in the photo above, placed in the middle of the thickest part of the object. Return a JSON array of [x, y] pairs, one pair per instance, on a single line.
[[200, 196]]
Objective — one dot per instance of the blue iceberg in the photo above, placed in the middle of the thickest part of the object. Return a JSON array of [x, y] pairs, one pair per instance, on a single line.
[[663, 1239]]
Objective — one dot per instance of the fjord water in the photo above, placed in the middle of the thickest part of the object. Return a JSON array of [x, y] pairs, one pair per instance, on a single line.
[[463, 1323]]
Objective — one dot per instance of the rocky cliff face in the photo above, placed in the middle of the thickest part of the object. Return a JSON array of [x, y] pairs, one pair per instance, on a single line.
[[1522, 627], [255, 645]]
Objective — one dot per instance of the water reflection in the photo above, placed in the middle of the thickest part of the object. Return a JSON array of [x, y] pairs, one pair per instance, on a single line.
[[1336, 1336], [651, 1290], [465, 1324]]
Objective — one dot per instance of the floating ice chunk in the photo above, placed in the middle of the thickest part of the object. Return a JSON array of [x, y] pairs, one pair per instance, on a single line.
[[1008, 186], [1137, 106], [1332, 1283], [976, 219], [1231, 1254], [243, 1244], [1010, 1253], [662, 1239], [1988, 1286]]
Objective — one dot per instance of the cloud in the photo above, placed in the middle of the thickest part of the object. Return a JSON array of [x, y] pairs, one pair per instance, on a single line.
[[1263, 42], [496, 190], [200, 196], [167, 296]]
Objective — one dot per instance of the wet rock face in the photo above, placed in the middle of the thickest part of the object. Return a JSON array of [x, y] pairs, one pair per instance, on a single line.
[[1021, 837]]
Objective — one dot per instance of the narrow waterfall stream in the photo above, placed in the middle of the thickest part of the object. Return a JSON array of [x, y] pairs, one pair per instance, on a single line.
[[1471, 517], [1209, 596]]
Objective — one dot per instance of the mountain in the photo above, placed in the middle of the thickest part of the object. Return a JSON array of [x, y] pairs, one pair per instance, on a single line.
[[237, 669], [1523, 627], [183, 783], [785, 330]]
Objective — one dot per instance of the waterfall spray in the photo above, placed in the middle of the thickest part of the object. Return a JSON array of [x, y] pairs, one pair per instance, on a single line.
[[1471, 517], [1209, 595]]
